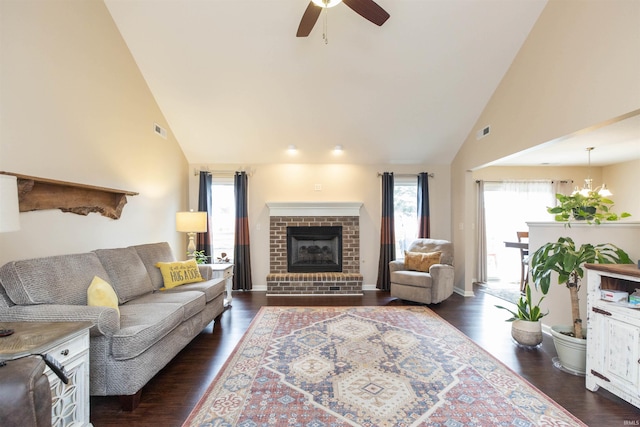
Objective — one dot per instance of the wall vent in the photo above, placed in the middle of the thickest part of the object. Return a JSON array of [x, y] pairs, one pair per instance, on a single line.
[[483, 132], [160, 130]]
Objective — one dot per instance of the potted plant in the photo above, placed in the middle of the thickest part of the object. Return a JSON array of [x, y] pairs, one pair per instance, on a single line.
[[563, 258], [590, 207], [526, 328], [200, 257]]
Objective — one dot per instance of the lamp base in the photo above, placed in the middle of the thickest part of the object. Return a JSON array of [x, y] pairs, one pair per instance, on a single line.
[[191, 247]]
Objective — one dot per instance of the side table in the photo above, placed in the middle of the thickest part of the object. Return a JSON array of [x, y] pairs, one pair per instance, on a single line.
[[225, 271], [67, 342]]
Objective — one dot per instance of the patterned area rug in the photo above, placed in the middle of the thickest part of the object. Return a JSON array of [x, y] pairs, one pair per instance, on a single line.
[[367, 366]]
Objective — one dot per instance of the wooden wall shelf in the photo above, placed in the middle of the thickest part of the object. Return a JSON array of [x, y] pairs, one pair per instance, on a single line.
[[41, 193]]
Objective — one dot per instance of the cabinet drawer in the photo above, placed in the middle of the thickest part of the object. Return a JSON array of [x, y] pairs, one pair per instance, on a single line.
[[70, 349]]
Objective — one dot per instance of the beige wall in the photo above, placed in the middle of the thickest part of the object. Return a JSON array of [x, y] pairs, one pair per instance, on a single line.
[[340, 183], [74, 107], [622, 179], [579, 67]]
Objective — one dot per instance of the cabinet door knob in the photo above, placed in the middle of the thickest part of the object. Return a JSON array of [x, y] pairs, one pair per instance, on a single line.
[[64, 352]]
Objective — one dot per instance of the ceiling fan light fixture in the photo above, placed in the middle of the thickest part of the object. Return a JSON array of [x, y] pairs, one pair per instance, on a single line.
[[326, 3]]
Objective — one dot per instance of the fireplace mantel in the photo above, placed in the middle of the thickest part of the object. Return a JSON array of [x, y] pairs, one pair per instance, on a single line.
[[314, 208]]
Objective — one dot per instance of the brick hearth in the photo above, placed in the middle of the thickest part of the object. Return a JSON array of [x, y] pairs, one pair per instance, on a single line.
[[314, 283]]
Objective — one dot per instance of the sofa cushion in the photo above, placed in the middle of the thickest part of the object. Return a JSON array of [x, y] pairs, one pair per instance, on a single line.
[[61, 279], [143, 325], [127, 273], [179, 272], [101, 294], [193, 302], [152, 253], [211, 288], [412, 278]]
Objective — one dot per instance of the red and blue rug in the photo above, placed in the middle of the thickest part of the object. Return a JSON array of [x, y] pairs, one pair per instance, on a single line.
[[367, 366]]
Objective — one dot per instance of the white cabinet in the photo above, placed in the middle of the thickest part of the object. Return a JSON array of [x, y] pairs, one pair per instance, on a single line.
[[613, 333]]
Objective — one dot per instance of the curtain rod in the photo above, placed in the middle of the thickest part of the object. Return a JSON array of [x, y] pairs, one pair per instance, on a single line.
[[430, 175], [197, 171]]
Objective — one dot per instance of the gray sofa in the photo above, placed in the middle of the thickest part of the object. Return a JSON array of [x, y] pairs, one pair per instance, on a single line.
[[428, 287], [128, 349]]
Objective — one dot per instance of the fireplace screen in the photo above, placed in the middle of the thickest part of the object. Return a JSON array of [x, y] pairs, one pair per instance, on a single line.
[[314, 249]]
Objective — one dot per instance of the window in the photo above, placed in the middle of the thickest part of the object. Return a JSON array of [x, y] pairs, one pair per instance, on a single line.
[[405, 212], [223, 216], [509, 205]]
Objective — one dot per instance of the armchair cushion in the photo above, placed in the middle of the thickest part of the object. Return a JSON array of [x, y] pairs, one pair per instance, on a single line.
[[418, 261]]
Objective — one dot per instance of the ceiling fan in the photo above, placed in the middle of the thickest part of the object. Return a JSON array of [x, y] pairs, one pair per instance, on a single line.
[[368, 9]]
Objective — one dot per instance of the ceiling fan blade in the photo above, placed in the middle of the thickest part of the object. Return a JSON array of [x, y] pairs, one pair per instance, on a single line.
[[308, 20], [368, 9]]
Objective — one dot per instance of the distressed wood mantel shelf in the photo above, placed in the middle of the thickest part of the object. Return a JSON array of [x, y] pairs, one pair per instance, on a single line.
[[41, 193]]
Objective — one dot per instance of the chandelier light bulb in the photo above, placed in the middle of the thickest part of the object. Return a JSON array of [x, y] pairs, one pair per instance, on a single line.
[[588, 182]]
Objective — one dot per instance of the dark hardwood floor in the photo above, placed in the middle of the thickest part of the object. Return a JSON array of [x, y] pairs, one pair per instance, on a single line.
[[169, 397]]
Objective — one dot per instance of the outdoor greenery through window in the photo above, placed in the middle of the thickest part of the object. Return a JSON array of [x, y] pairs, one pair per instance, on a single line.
[[223, 216], [405, 212]]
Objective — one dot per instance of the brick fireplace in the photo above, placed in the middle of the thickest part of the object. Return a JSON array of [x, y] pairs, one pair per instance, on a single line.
[[343, 215]]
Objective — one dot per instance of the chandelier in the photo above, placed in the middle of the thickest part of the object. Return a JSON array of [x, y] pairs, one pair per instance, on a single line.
[[588, 182]]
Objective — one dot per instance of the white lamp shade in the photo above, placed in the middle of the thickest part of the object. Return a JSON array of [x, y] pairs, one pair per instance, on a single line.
[[9, 208], [191, 222]]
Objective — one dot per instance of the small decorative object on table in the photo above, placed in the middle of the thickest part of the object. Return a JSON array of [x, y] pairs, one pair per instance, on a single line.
[[223, 258]]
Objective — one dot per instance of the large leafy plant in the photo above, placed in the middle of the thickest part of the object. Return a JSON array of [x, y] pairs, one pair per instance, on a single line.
[[563, 258], [591, 207]]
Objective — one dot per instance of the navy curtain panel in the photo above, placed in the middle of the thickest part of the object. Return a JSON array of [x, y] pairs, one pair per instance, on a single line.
[[387, 234], [241, 255], [204, 241], [424, 227]]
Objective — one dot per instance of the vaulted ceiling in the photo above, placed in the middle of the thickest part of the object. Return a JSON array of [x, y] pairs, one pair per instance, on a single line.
[[237, 86]]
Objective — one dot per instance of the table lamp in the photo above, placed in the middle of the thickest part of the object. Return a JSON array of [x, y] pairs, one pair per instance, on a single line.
[[9, 207], [191, 223]]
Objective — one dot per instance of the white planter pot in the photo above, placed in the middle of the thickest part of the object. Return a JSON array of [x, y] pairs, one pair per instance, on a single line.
[[572, 352], [527, 333]]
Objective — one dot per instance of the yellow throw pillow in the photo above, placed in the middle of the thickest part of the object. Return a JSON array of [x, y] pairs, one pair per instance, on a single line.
[[421, 261], [101, 294], [179, 272]]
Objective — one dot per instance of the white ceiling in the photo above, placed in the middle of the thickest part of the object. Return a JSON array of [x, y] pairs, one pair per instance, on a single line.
[[611, 142], [237, 86]]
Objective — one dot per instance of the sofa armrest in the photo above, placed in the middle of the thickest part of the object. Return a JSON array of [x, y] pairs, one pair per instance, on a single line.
[[105, 320], [396, 265], [205, 271]]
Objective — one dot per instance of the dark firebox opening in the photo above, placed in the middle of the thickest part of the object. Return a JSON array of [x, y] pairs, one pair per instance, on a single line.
[[314, 249]]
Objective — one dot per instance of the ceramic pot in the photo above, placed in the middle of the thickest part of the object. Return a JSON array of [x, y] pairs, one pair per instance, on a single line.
[[526, 332], [572, 352]]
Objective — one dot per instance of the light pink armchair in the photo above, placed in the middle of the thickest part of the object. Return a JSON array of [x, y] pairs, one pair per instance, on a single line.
[[429, 287]]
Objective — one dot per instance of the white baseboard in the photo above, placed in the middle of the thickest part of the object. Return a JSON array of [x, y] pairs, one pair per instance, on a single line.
[[464, 293]]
